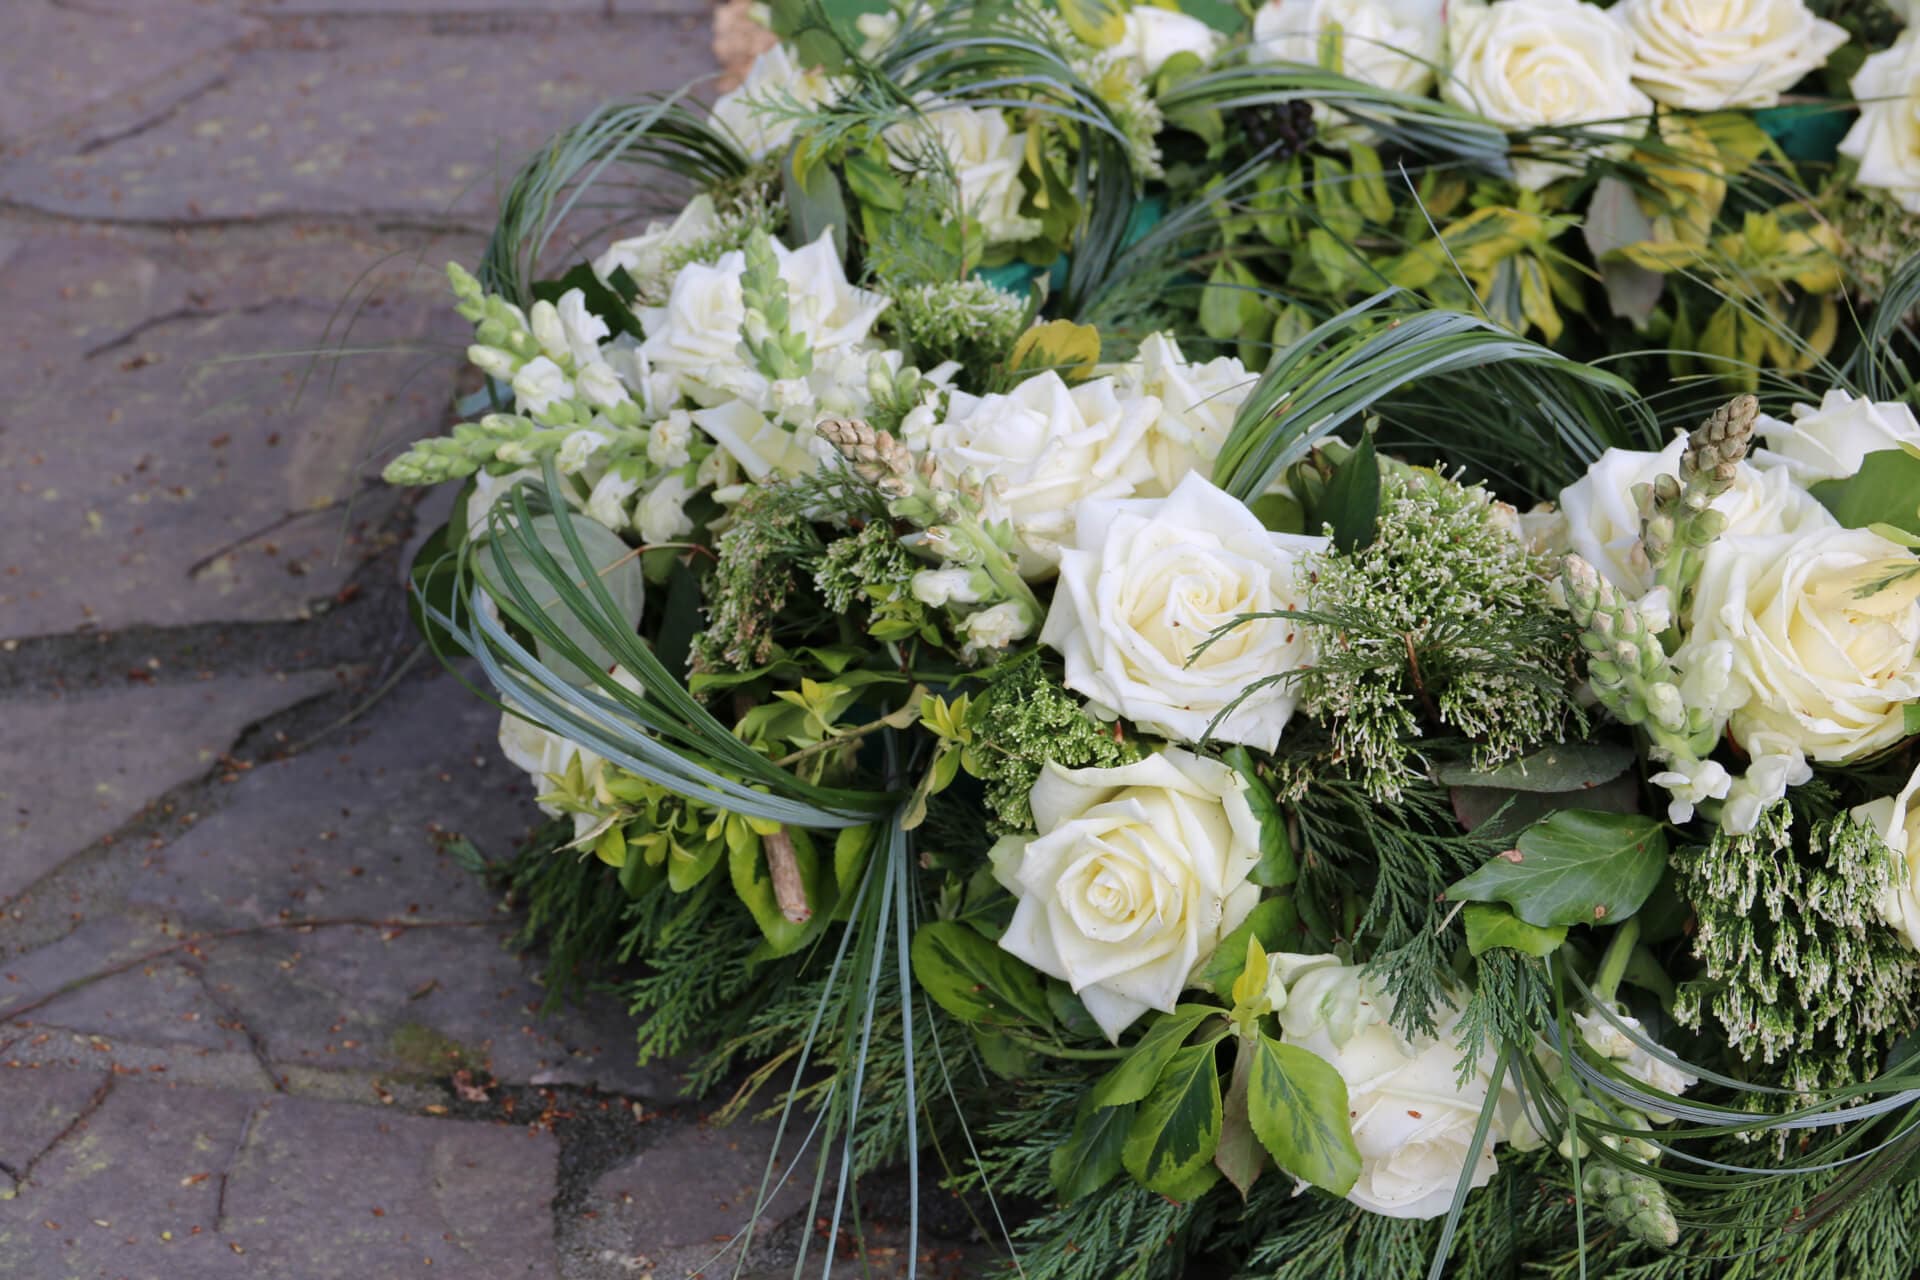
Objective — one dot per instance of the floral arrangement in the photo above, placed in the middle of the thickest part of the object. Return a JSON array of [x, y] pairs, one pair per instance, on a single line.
[[1245, 769]]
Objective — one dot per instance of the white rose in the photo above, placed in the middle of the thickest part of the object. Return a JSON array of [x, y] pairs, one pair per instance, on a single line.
[[1817, 668], [668, 440], [1528, 64], [1713, 55], [1196, 407], [1412, 1121], [1610, 1042], [987, 156], [756, 113], [1830, 441], [995, 628], [1145, 582], [539, 385], [1602, 521], [695, 335], [1395, 44], [661, 515], [1885, 140], [543, 754], [1133, 878], [1897, 820], [1044, 448], [1152, 35], [643, 257]]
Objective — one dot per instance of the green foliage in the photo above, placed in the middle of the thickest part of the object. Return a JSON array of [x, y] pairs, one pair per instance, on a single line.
[[974, 980], [1440, 622], [1573, 867], [1798, 971], [874, 568], [1297, 1103], [1022, 720], [760, 558], [965, 320]]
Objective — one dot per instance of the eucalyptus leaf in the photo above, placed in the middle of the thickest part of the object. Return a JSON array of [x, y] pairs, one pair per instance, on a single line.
[[1177, 1127], [1573, 867], [618, 570], [1297, 1104], [975, 980]]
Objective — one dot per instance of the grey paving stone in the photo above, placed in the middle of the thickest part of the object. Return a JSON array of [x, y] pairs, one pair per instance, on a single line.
[[37, 1104], [60, 59], [354, 119], [170, 1182], [153, 471], [75, 767]]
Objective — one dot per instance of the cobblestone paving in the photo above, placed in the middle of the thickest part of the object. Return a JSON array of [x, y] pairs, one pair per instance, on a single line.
[[254, 1021]]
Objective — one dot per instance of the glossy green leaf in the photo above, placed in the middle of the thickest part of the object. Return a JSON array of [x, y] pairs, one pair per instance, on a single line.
[[1274, 922], [1134, 1078], [1177, 1127], [1091, 1156], [1278, 866], [975, 980], [1573, 867], [1297, 1103], [1886, 490], [1564, 766], [1493, 924], [814, 202]]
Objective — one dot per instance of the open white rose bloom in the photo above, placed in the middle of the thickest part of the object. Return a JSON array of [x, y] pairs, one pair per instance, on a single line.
[[1180, 613]]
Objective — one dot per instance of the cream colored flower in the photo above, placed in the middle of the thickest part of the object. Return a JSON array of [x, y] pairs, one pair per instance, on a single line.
[[1133, 878], [1713, 55], [1145, 582], [1152, 35], [1610, 1042], [644, 257], [1395, 44], [1830, 441], [1534, 64], [1042, 449], [1897, 819], [1885, 140], [1413, 1122], [987, 156], [756, 113], [1197, 404]]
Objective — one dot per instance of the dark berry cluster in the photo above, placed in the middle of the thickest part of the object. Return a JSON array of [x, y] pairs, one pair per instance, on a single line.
[[1286, 127]]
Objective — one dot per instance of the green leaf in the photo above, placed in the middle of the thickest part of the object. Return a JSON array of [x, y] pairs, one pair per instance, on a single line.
[[680, 620], [1133, 1079], [1091, 1156], [1573, 867], [1177, 1128], [1910, 717], [975, 980], [1274, 922], [814, 202], [1003, 1055], [1069, 1012], [1886, 490], [874, 183], [1491, 925], [1352, 500], [616, 568], [601, 300], [1240, 1154], [1565, 766], [1278, 866], [1298, 1105]]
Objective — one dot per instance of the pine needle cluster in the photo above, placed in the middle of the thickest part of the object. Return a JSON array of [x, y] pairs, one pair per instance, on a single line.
[[1441, 623], [966, 320], [1022, 721], [1799, 972]]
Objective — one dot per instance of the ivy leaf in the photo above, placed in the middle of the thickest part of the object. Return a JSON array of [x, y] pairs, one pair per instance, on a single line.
[[1491, 925], [1297, 1104], [1566, 766], [1573, 867], [1886, 490], [1090, 1157], [1134, 1078], [973, 979], [1177, 1128]]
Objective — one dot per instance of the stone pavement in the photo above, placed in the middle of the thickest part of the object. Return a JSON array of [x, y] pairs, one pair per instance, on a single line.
[[255, 1018]]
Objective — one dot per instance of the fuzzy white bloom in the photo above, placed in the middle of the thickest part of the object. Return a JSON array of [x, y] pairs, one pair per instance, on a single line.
[[1714, 55], [539, 385], [937, 588], [608, 504], [1610, 1042], [577, 451], [1151, 35], [670, 439], [645, 256], [695, 334], [1413, 1121], [774, 81], [1822, 664], [1043, 448], [1885, 140], [493, 362], [1532, 64], [995, 628], [987, 155], [1830, 441], [1687, 787], [1196, 407], [600, 385], [1777, 763], [661, 515], [1145, 582], [1897, 819], [1133, 878], [1395, 44], [1602, 521]]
